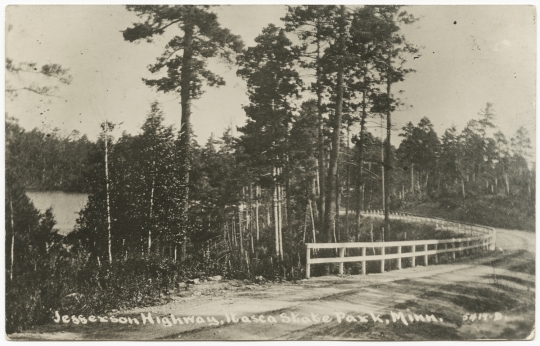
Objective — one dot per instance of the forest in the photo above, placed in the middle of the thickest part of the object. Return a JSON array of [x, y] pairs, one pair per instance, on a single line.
[[314, 153]]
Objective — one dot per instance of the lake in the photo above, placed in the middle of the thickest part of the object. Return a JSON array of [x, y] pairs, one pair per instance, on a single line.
[[66, 207]]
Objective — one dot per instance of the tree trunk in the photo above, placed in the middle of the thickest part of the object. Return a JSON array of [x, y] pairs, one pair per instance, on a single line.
[[287, 187], [109, 238], [360, 191], [280, 218], [337, 233], [346, 230], [240, 231], [268, 218], [388, 161], [248, 215], [331, 206], [305, 224], [463, 187], [412, 178], [151, 205], [185, 130], [312, 222], [258, 195], [320, 140], [275, 207], [383, 175], [12, 239]]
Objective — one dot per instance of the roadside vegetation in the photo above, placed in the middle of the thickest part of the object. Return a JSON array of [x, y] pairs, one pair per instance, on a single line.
[[509, 212]]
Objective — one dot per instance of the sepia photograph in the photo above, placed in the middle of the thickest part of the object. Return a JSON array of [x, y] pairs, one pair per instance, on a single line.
[[197, 172]]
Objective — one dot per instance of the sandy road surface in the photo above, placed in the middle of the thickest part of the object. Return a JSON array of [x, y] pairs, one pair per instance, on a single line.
[[516, 240], [502, 281]]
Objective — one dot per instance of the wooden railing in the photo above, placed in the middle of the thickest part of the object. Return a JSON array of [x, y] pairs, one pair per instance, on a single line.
[[475, 238]]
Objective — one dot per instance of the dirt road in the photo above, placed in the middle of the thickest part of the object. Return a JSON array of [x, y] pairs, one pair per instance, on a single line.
[[500, 285]]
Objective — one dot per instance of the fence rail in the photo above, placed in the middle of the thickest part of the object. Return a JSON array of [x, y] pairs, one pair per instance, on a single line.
[[480, 238]]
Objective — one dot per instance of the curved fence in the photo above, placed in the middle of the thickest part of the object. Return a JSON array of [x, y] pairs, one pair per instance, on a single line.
[[475, 238]]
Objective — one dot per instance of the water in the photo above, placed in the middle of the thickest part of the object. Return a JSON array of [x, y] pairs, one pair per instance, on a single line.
[[66, 207]]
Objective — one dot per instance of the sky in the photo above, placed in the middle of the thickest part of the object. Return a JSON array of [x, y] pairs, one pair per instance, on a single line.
[[470, 55]]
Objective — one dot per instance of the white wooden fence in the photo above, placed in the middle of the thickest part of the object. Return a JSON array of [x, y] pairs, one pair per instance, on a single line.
[[475, 238]]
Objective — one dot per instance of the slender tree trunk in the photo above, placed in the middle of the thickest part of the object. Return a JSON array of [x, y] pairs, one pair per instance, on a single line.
[[317, 191], [412, 179], [280, 218], [249, 214], [258, 195], [331, 206], [360, 203], [109, 238], [287, 185], [388, 161], [312, 222], [305, 224], [12, 238], [276, 215], [337, 233], [383, 175], [240, 231], [346, 231], [185, 130], [151, 205], [268, 218], [320, 139]]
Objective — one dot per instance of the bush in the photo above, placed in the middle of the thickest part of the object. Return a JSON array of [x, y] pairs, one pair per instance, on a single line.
[[82, 287]]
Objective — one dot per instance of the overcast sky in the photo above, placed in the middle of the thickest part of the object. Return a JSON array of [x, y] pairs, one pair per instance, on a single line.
[[471, 55]]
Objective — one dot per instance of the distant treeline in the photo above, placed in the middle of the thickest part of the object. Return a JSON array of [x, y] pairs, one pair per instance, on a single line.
[[48, 160]]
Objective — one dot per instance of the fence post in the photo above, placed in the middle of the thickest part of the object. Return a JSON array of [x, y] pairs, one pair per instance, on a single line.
[[453, 247], [399, 259], [364, 269], [436, 254], [426, 256], [308, 262], [413, 257], [382, 261], [341, 255]]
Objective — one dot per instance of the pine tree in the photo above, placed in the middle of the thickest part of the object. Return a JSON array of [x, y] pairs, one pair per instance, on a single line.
[[202, 38], [269, 69]]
